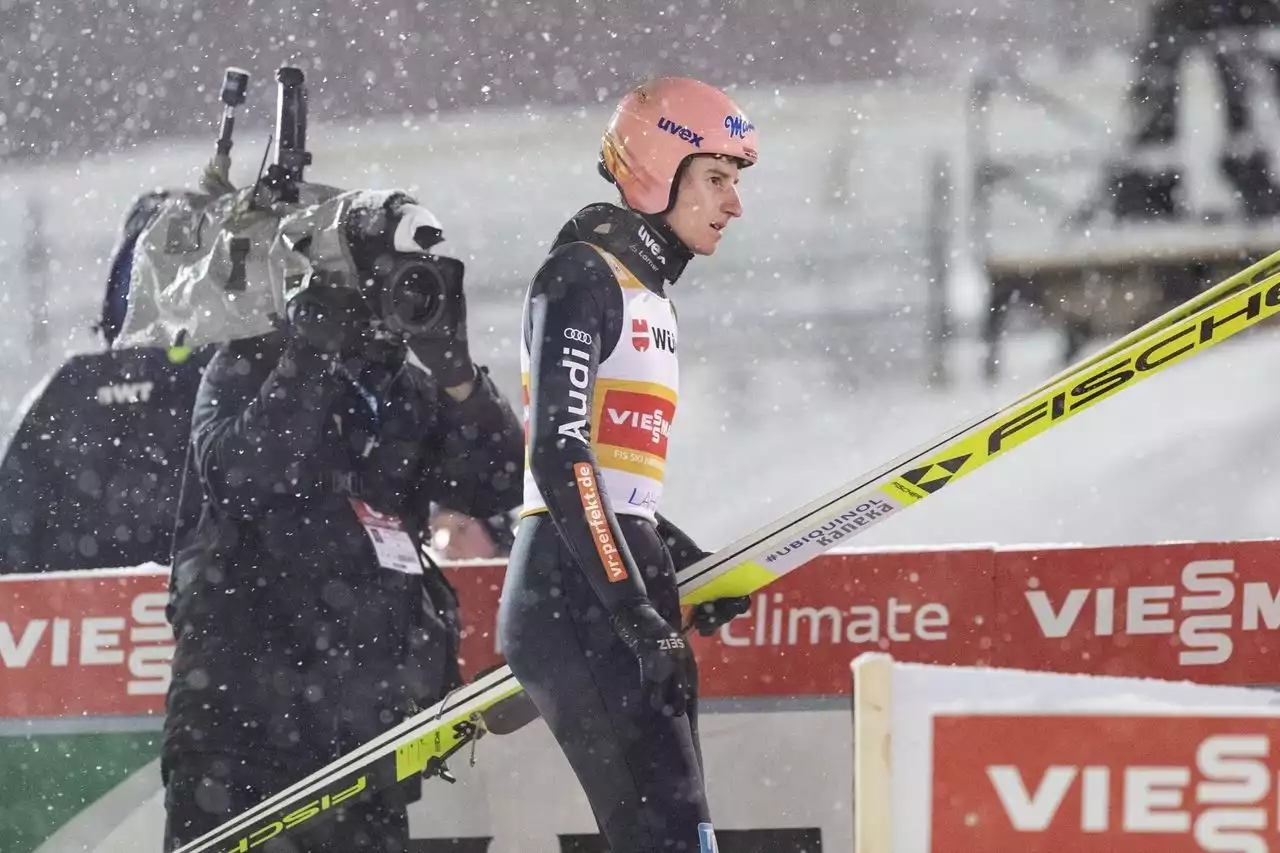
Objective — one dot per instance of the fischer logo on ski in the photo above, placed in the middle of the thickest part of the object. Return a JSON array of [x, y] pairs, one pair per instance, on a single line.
[[1104, 377], [938, 473], [297, 817]]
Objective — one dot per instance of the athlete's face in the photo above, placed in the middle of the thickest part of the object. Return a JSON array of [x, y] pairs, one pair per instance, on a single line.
[[705, 202]]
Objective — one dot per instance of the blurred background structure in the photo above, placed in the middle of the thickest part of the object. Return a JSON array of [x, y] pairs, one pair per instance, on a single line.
[[951, 200]]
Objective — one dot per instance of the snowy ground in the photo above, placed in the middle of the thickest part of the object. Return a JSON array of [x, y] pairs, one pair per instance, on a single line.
[[1184, 455]]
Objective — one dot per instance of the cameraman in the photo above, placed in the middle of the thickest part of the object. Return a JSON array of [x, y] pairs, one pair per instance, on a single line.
[[307, 620]]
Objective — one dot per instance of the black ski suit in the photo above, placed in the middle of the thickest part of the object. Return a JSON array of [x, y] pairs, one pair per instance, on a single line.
[[641, 766], [294, 644]]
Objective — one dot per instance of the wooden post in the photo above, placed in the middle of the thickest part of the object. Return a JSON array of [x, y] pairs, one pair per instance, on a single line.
[[872, 753]]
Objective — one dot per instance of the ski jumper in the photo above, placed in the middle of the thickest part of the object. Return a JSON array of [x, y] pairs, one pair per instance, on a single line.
[[601, 382]]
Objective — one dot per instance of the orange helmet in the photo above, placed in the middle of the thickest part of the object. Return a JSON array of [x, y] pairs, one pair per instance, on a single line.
[[661, 123]]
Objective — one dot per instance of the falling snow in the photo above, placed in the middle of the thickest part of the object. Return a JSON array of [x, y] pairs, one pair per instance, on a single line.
[[927, 172]]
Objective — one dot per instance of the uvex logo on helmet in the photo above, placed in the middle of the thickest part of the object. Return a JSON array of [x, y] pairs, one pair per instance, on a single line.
[[680, 131]]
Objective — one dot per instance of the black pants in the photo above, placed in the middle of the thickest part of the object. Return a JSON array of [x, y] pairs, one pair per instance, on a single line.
[[641, 770], [279, 683]]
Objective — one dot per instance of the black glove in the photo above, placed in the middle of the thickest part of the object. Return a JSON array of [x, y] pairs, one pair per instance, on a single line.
[[443, 349], [708, 616], [664, 656]]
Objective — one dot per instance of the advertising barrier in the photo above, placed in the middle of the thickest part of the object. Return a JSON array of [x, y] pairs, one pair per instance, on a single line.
[[981, 760], [1122, 782], [89, 653], [81, 645]]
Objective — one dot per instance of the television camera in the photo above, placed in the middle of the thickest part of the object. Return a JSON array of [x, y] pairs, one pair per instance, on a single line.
[[222, 262]]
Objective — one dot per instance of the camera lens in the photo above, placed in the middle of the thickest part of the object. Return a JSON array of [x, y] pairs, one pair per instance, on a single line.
[[413, 297]]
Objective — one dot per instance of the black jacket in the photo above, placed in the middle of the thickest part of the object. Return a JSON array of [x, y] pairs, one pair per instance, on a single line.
[[91, 476], [281, 446]]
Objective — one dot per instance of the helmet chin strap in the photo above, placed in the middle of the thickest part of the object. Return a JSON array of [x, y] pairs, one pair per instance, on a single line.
[[604, 171], [657, 221]]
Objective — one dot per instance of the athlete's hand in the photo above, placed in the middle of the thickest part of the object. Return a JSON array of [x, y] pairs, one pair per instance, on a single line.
[[662, 652], [708, 616]]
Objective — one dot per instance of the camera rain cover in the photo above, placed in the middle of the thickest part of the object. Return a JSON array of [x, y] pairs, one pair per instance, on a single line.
[[213, 268]]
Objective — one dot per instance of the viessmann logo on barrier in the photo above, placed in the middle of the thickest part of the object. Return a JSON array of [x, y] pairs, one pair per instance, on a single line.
[[71, 646], [1206, 612], [1124, 783], [99, 644]]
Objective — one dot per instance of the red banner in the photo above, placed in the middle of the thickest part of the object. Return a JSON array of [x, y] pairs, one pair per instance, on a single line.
[[478, 587], [84, 645], [1206, 612], [98, 643], [1042, 783], [804, 629]]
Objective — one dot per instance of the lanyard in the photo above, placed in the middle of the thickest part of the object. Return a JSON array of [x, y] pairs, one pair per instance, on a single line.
[[370, 400]]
